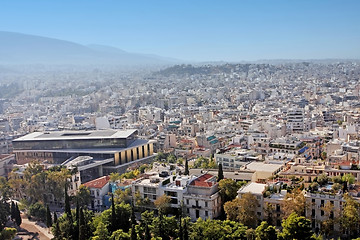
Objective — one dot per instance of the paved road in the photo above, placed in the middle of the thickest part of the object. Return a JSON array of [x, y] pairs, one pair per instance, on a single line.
[[30, 226]]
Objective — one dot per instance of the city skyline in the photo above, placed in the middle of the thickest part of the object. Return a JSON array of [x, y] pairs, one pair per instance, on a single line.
[[201, 31]]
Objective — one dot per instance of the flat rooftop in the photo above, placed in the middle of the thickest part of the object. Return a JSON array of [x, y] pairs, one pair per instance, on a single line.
[[137, 142], [254, 188], [263, 167], [76, 135]]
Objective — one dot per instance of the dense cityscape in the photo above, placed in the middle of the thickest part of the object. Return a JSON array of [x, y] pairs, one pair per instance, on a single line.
[[214, 151]]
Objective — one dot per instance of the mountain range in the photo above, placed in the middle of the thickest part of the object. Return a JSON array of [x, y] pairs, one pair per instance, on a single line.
[[18, 48]]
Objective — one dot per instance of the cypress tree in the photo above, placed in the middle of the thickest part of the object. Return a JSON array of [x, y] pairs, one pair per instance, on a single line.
[[56, 231], [133, 235], [48, 217], [82, 227], [220, 173], [186, 167], [113, 214], [186, 232], [55, 217], [77, 211], [18, 219], [181, 233], [67, 205], [147, 233], [13, 210]]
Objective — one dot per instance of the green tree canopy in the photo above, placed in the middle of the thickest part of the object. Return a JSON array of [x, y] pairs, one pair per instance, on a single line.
[[217, 230], [243, 210], [296, 228], [266, 232]]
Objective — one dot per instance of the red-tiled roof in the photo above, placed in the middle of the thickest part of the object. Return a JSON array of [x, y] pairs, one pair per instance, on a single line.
[[98, 183], [202, 181]]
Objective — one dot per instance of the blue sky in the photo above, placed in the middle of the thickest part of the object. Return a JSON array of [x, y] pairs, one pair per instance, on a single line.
[[197, 30]]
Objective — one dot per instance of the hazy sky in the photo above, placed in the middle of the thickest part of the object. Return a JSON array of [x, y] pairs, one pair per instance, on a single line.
[[197, 30]]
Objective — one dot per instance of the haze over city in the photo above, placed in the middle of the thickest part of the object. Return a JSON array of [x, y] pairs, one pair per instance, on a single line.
[[197, 30]]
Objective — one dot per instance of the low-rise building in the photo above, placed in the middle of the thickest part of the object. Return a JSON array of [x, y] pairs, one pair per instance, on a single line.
[[98, 189], [202, 198]]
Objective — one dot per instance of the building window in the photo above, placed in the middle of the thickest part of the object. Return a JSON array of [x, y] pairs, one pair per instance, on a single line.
[[206, 204], [187, 202], [206, 213]]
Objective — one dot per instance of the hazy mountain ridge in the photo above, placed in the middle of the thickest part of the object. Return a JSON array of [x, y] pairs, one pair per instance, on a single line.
[[17, 48]]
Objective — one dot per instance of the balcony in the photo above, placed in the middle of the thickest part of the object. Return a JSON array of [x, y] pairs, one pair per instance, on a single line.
[[196, 206]]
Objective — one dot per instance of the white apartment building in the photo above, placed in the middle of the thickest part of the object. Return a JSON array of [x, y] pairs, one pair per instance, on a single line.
[[98, 189], [237, 158], [295, 120], [202, 198], [199, 195]]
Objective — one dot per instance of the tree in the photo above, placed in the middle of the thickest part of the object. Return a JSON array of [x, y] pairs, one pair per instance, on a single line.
[[160, 156], [56, 179], [7, 233], [228, 189], [113, 214], [67, 204], [350, 216], [323, 179], [336, 187], [83, 196], [329, 220], [122, 218], [115, 177], [250, 234], [243, 210], [323, 155], [38, 211], [295, 227], [17, 184], [186, 167], [48, 217], [143, 168], [314, 186], [171, 158], [5, 189], [119, 235], [4, 213], [133, 235], [101, 232], [165, 227], [220, 173], [349, 178], [82, 226], [146, 225], [56, 228], [12, 210], [18, 219], [269, 213], [185, 228], [294, 202], [162, 204], [122, 196], [55, 217], [205, 163], [217, 229], [337, 179], [266, 232]]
